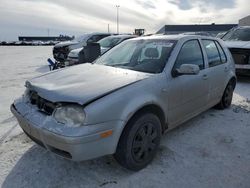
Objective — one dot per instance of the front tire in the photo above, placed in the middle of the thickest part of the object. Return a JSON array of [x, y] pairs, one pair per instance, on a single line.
[[139, 142]]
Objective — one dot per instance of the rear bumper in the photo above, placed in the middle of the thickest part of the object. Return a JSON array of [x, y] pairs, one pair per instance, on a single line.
[[242, 69], [76, 148]]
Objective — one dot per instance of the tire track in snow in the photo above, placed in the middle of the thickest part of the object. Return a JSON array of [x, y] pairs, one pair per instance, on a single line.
[[7, 133]]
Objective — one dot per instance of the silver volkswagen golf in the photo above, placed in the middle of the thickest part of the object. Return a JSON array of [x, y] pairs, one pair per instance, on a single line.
[[123, 102]]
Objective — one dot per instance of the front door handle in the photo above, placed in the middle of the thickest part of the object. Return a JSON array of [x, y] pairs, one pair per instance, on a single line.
[[205, 77]]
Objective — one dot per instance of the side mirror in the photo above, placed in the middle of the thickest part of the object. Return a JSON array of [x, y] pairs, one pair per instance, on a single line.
[[187, 69]]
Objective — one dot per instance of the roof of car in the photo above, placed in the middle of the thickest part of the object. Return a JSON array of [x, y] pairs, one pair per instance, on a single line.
[[174, 37], [122, 36]]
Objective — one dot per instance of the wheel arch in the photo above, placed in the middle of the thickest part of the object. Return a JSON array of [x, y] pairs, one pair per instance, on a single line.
[[152, 108], [233, 80]]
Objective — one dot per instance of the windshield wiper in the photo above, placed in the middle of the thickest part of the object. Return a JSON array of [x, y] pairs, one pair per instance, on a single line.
[[118, 65]]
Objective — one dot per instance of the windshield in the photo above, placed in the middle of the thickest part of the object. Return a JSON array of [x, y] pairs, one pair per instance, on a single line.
[[109, 42], [148, 55], [81, 38], [242, 34]]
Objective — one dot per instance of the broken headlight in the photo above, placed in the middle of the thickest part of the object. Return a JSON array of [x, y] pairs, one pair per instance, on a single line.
[[70, 115]]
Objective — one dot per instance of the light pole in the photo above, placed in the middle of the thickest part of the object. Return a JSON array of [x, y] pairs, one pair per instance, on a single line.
[[117, 18]]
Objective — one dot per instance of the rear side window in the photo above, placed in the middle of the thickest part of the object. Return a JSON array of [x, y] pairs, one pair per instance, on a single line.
[[212, 52], [222, 53], [190, 53]]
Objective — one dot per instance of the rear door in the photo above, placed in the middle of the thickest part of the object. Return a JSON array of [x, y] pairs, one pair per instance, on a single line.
[[218, 68], [188, 93]]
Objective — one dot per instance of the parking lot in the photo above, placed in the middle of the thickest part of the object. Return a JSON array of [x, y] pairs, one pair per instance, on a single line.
[[211, 150]]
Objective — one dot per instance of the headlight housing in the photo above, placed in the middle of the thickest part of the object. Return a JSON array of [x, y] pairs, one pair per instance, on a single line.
[[70, 115]]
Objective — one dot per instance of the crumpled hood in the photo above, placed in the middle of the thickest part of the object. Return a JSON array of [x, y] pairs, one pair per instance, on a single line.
[[238, 44], [82, 83], [66, 43]]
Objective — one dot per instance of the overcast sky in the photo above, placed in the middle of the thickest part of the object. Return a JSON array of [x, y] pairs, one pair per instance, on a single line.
[[35, 17]]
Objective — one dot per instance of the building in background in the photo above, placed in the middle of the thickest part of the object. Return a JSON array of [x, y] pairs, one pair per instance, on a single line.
[[245, 21], [212, 29], [44, 38]]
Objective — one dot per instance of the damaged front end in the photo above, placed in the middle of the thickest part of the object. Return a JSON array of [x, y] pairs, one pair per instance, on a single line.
[[60, 53], [43, 105]]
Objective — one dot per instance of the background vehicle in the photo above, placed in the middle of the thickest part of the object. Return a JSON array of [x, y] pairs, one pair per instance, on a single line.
[[220, 35], [62, 49], [109, 42], [105, 44], [238, 42], [123, 102]]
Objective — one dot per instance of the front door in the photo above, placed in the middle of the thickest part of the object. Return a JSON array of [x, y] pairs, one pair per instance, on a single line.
[[188, 94]]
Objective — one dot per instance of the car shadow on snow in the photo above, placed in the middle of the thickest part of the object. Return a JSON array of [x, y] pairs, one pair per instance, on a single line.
[[40, 168]]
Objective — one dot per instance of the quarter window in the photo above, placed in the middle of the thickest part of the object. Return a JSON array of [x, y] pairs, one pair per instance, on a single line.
[[213, 55], [190, 53]]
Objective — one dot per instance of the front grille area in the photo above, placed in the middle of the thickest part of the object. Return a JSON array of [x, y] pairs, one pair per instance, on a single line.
[[241, 56], [60, 53], [42, 104]]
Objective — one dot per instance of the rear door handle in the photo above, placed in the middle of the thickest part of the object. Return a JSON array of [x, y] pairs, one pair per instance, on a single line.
[[226, 69], [205, 77]]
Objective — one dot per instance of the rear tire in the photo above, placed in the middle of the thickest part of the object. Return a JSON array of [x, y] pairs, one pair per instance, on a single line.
[[227, 97], [139, 141]]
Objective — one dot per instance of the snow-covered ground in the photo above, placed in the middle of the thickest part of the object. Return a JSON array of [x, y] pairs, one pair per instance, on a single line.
[[212, 150]]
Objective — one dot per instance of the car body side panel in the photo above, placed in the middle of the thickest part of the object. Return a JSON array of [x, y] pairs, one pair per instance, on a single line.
[[124, 103], [182, 98], [217, 77], [187, 95]]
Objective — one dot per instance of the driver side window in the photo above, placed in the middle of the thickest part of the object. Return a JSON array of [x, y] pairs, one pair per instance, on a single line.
[[190, 53]]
